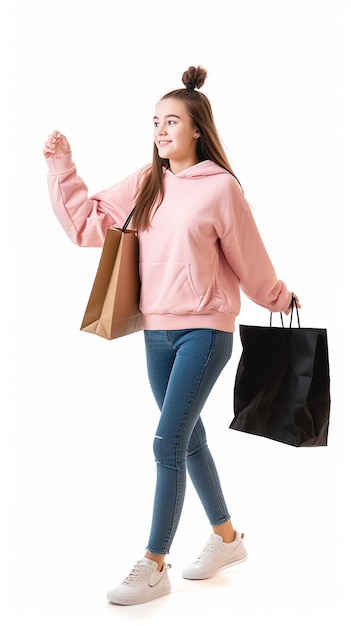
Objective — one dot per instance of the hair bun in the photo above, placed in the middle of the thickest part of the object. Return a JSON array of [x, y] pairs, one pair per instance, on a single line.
[[195, 76]]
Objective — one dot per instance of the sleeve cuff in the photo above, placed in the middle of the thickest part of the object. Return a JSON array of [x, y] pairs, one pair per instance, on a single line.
[[60, 165]]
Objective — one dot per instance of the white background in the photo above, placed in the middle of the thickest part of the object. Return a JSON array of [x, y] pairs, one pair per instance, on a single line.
[[76, 444]]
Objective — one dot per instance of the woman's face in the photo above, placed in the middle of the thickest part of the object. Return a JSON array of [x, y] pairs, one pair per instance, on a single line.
[[174, 135]]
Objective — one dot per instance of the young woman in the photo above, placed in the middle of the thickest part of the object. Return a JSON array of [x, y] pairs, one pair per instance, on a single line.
[[199, 245]]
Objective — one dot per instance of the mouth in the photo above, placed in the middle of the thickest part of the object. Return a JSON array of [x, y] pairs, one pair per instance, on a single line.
[[162, 142]]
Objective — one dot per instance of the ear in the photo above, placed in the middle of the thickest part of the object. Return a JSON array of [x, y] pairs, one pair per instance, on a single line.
[[196, 135]]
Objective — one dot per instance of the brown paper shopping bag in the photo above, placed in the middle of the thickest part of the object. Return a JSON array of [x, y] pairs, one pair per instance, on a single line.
[[113, 306]]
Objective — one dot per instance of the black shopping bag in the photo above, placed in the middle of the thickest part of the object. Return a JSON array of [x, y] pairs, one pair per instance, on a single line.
[[282, 384]]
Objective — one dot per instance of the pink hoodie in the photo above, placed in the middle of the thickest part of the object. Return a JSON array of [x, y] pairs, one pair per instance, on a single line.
[[202, 246]]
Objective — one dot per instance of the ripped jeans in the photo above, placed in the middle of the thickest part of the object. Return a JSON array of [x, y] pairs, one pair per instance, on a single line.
[[183, 366]]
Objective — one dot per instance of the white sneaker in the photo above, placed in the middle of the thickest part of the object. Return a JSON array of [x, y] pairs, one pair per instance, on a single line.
[[144, 583], [216, 556]]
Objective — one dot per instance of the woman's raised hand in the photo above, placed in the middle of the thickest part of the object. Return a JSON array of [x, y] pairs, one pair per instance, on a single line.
[[56, 145]]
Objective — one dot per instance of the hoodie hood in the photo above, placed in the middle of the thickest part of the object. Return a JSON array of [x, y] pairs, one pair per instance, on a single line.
[[200, 170]]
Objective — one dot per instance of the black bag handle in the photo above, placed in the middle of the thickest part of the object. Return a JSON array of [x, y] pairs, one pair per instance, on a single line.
[[125, 225], [293, 305]]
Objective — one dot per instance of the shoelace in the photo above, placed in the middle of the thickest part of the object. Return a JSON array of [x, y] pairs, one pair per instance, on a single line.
[[208, 550], [138, 574]]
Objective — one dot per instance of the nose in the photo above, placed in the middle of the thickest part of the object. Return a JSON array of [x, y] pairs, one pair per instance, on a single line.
[[162, 129]]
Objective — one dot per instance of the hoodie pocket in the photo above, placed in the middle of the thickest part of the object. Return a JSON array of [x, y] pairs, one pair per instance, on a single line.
[[168, 288]]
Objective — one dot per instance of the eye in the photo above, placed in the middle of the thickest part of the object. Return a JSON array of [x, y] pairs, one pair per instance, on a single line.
[[156, 124], [171, 122]]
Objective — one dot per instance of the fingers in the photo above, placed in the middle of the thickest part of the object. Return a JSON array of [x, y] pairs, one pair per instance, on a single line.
[[298, 305], [296, 301], [51, 143], [56, 145], [49, 146]]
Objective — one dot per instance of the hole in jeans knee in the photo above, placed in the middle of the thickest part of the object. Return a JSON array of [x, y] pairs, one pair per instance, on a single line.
[[158, 447]]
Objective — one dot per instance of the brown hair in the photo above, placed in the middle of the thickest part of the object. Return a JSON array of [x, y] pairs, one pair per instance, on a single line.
[[209, 145]]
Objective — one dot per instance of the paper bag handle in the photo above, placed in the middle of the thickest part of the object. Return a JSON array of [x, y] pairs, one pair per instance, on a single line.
[[293, 306], [125, 225]]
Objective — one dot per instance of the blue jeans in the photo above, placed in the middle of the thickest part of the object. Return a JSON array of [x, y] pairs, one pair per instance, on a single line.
[[183, 366]]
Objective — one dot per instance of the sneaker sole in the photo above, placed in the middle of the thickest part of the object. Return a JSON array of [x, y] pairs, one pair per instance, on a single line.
[[213, 573], [130, 601]]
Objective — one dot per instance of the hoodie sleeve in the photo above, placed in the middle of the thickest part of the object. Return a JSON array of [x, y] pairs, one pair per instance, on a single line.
[[245, 252], [85, 219]]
